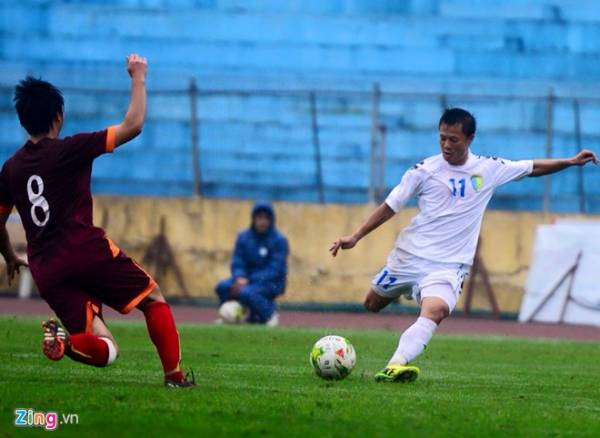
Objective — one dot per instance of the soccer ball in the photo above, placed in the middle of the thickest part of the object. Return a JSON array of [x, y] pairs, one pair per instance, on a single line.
[[333, 357], [232, 312]]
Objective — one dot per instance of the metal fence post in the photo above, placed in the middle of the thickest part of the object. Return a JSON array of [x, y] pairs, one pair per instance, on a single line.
[[193, 95], [549, 139], [580, 185], [376, 97], [317, 145], [444, 102], [380, 191]]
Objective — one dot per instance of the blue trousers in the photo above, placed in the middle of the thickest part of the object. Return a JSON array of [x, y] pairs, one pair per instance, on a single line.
[[259, 299]]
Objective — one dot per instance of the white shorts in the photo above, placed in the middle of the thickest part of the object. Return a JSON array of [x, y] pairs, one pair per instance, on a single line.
[[416, 278]]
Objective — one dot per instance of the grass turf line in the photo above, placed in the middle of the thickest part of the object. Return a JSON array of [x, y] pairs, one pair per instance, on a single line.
[[255, 381]]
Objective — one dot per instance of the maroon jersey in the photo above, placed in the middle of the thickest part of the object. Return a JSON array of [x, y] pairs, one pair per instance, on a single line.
[[49, 184], [75, 266]]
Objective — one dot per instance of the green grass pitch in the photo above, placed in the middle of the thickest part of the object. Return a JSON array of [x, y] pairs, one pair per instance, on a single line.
[[254, 381]]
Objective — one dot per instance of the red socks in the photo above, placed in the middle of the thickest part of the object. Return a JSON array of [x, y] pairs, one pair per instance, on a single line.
[[162, 331], [88, 349]]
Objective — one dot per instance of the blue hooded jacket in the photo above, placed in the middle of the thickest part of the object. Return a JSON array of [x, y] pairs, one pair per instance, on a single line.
[[261, 258]]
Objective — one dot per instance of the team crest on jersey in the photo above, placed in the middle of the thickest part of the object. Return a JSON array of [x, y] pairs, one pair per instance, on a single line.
[[476, 182]]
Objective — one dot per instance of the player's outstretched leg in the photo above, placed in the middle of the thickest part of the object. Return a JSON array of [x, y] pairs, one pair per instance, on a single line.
[[97, 349], [164, 336], [393, 372], [413, 342]]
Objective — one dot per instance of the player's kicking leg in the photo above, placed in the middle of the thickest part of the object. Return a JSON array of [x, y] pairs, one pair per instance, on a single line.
[[164, 336], [124, 286], [414, 340]]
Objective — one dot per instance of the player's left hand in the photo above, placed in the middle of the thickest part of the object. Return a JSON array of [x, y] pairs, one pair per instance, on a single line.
[[13, 266], [583, 157]]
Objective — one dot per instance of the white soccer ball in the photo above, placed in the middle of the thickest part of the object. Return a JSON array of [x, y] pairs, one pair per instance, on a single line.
[[333, 357], [232, 312]]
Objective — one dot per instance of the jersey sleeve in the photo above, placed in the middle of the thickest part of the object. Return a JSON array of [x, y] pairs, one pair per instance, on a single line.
[[508, 170], [408, 187], [6, 201], [85, 147]]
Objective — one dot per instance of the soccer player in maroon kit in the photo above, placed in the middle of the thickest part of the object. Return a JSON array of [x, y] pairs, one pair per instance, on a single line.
[[75, 266]]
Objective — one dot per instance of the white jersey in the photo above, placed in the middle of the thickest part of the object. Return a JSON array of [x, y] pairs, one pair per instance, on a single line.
[[452, 200]]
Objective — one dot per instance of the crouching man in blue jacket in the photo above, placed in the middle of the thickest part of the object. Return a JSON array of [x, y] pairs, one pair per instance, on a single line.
[[258, 267]]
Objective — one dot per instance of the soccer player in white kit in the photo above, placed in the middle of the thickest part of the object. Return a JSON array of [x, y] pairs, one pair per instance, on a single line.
[[434, 252]]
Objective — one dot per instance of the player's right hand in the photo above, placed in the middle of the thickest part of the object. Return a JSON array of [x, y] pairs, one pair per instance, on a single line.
[[136, 66], [236, 287], [12, 268], [345, 242], [241, 281]]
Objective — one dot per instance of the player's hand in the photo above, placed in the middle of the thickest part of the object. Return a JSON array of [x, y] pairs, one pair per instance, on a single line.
[[136, 66], [345, 242], [13, 266], [237, 287], [583, 157], [241, 281]]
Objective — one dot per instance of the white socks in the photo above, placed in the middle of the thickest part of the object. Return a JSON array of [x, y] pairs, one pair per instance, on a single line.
[[112, 351], [413, 341]]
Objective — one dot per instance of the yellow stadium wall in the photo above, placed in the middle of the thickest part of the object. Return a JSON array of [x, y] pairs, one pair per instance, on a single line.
[[202, 233]]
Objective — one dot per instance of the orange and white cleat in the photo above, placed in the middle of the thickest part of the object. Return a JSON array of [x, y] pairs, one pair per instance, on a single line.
[[55, 340]]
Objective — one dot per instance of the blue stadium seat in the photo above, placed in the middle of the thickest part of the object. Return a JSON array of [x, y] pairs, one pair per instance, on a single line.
[[261, 144]]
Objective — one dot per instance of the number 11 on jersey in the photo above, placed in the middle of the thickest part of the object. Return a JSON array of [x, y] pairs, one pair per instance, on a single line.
[[462, 182]]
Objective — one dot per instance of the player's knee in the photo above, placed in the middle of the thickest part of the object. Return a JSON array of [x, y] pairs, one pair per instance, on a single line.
[[156, 294], [436, 313], [222, 288]]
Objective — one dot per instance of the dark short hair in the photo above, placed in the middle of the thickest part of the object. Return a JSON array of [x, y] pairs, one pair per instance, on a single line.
[[37, 103], [454, 116]]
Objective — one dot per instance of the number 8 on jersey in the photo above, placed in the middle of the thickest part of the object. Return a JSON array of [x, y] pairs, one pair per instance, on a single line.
[[37, 200]]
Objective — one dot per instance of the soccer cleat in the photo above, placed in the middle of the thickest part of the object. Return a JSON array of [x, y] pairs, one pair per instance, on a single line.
[[186, 382], [397, 373], [55, 340]]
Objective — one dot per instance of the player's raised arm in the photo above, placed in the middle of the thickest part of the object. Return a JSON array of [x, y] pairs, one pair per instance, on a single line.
[[552, 165], [133, 122], [377, 218]]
